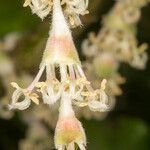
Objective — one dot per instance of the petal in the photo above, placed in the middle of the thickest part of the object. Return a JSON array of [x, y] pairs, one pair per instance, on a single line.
[[103, 97], [19, 105], [98, 106], [49, 97]]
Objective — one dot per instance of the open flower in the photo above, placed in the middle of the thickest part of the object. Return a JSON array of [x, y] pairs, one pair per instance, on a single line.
[[40, 7], [72, 9], [69, 129], [65, 81], [63, 72]]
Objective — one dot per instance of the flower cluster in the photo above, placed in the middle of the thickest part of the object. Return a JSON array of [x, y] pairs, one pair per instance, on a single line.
[[115, 43], [65, 81], [118, 34], [72, 9]]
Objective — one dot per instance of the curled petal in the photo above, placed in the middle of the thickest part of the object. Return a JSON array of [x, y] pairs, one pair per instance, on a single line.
[[75, 92], [139, 61], [49, 96], [39, 7], [19, 105], [98, 106], [73, 9], [102, 104], [21, 98], [103, 97]]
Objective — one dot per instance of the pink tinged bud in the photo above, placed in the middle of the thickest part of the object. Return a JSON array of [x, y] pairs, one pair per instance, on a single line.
[[60, 49], [60, 46], [69, 131]]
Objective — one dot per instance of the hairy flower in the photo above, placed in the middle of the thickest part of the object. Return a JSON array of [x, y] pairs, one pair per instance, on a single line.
[[65, 81], [68, 130], [63, 72], [72, 9]]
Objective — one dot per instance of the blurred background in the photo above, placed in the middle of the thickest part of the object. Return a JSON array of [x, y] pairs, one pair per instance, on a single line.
[[22, 40]]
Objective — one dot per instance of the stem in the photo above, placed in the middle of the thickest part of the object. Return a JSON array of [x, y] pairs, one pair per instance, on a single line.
[[59, 24], [66, 109]]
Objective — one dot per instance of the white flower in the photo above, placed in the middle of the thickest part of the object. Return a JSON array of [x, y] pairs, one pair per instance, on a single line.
[[75, 8], [64, 73], [65, 81], [40, 7], [69, 130], [72, 9]]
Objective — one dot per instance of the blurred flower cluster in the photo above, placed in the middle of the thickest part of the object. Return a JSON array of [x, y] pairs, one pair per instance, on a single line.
[[115, 43]]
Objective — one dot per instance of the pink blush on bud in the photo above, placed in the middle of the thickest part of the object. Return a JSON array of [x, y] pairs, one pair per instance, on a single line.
[[68, 130]]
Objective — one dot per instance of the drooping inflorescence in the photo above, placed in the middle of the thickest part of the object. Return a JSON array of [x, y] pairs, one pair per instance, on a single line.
[[65, 79]]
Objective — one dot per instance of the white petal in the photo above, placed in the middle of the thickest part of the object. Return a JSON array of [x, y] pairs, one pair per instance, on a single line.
[[49, 97], [103, 97], [98, 106], [19, 105]]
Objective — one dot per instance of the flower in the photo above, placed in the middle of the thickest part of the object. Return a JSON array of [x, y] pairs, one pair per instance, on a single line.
[[68, 129], [40, 7], [63, 72], [65, 81], [72, 9], [118, 35], [68, 132]]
